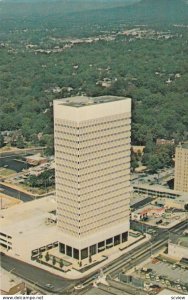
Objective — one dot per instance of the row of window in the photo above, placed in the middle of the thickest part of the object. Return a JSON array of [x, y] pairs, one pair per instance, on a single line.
[[96, 213], [107, 188], [84, 180], [74, 202], [95, 194], [95, 139], [94, 249], [62, 171], [93, 122], [92, 187], [81, 133], [92, 227], [70, 164]]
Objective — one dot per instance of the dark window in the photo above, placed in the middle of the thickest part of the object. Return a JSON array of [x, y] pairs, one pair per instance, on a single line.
[[75, 253], [124, 237], [101, 246], [69, 251], [117, 240], [93, 249], [84, 253], [62, 248], [109, 243]]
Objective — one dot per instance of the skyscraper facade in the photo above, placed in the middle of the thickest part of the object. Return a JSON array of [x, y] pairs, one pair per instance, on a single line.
[[92, 156], [181, 168]]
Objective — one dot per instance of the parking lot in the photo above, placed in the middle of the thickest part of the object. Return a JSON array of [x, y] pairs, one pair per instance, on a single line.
[[171, 271], [164, 274]]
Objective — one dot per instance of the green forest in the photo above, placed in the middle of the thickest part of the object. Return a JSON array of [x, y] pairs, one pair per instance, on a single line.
[[55, 49]]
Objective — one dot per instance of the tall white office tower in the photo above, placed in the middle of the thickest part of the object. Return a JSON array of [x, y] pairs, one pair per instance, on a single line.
[[92, 156]]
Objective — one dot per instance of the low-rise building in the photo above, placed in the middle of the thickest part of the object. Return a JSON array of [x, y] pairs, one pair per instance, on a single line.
[[36, 159], [178, 247]]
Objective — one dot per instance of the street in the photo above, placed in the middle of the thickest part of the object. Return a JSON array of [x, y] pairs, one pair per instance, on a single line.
[[35, 275], [16, 193]]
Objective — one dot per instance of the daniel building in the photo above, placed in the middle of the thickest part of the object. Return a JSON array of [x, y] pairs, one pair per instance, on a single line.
[[92, 155]]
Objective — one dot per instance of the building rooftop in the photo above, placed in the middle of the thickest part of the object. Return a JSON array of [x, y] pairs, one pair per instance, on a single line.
[[8, 280], [32, 229], [179, 240], [80, 101], [183, 145]]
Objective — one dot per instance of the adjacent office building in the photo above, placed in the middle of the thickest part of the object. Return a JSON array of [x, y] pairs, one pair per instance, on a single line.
[[181, 168], [92, 155]]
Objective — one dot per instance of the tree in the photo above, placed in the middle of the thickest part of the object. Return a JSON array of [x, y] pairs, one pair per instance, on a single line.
[[154, 163], [47, 256], [186, 207], [61, 264], [20, 142], [80, 263], [54, 261], [1, 140]]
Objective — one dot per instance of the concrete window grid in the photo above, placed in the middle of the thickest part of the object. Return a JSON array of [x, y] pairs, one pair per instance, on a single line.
[[78, 143], [104, 197], [103, 184], [98, 143], [181, 169], [92, 129], [105, 171], [100, 215], [103, 154], [106, 188], [98, 193], [102, 148], [85, 182], [104, 134], [65, 150], [90, 205], [73, 208], [73, 194], [104, 161], [97, 131], [69, 166], [105, 120], [74, 172], [106, 222], [105, 138], [87, 214], [92, 122], [96, 167]]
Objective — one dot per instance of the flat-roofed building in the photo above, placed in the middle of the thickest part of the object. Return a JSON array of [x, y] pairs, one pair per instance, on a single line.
[[181, 168], [92, 155]]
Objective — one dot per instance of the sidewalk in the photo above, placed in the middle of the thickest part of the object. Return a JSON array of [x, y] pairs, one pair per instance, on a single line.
[[74, 274]]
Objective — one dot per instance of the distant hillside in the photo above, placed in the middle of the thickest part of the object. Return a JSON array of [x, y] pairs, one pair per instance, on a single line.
[[155, 12], [72, 14]]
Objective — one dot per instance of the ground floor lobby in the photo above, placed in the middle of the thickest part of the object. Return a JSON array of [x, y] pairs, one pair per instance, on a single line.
[[94, 249]]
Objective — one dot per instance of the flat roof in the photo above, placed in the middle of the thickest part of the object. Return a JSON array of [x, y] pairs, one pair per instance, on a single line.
[[157, 188], [8, 280], [183, 145], [26, 222], [181, 197], [183, 241], [168, 292], [80, 101]]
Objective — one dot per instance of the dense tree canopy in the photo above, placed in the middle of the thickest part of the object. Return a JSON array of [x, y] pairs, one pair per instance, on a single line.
[[40, 60]]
